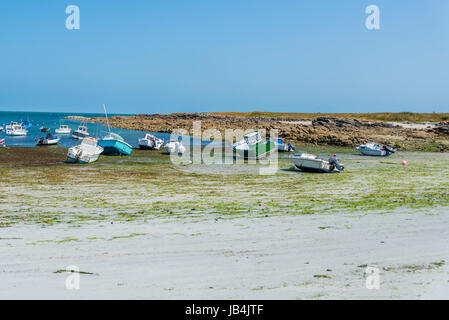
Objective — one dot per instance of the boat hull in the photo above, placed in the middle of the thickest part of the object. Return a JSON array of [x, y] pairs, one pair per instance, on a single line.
[[84, 159], [258, 150], [115, 147], [374, 153], [62, 131], [47, 142], [314, 165], [16, 133], [79, 135], [145, 144]]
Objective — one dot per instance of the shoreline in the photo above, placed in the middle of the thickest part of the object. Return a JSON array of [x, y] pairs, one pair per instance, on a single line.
[[323, 130]]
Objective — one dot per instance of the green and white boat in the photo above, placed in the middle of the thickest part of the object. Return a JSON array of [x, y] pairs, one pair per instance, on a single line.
[[253, 146]]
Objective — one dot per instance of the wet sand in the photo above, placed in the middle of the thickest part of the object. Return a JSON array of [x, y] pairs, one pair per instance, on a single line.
[[141, 227]]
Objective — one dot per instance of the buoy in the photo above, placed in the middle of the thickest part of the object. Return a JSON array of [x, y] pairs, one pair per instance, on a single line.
[[404, 163]]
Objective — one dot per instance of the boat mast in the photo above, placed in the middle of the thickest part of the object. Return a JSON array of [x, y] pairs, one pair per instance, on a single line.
[[107, 120]]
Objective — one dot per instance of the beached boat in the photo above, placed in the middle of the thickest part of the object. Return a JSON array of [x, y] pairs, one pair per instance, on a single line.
[[253, 146], [284, 147], [311, 163], [113, 144], [44, 129], [16, 130], [80, 133], [375, 149], [87, 151], [174, 146], [63, 129], [49, 139], [150, 142]]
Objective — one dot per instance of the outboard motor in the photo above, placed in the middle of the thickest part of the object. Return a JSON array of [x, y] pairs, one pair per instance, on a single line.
[[291, 147]]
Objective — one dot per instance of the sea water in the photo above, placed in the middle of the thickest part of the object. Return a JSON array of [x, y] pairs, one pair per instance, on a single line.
[[53, 120]]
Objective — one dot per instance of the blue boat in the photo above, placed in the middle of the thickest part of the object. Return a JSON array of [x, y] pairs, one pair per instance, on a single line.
[[113, 144], [26, 124]]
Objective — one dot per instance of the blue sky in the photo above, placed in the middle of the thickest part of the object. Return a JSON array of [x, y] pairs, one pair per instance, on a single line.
[[235, 55]]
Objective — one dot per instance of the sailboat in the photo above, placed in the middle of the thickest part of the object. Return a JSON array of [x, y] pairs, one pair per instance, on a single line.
[[112, 143]]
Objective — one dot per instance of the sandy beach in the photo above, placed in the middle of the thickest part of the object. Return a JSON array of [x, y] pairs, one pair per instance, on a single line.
[[141, 227]]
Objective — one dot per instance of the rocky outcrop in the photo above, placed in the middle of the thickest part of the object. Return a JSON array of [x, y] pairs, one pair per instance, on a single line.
[[321, 130]]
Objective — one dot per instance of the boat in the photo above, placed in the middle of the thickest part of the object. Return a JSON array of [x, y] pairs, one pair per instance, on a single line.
[[16, 130], [44, 129], [1, 129], [11, 125], [311, 163], [375, 149], [63, 129], [283, 147], [86, 152], [253, 146], [150, 142], [26, 124], [80, 133], [49, 139], [2, 142], [174, 146], [113, 144]]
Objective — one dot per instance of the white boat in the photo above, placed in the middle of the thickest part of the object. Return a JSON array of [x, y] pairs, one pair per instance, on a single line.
[[16, 130], [375, 149], [80, 133], [49, 139], [150, 142], [11, 125], [87, 151], [311, 163], [174, 147], [63, 129], [284, 147], [253, 146], [1, 128]]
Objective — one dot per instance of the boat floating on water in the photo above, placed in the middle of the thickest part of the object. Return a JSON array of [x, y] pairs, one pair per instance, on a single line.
[[63, 129], [16, 130], [86, 152], [150, 142], [80, 133], [174, 146], [311, 163], [113, 144], [253, 146], [375, 149], [26, 124], [2, 142], [49, 139], [44, 129]]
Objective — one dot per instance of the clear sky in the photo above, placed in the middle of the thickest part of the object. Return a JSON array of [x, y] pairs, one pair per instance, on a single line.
[[160, 56]]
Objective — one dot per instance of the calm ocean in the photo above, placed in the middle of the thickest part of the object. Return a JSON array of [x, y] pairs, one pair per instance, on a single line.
[[53, 120]]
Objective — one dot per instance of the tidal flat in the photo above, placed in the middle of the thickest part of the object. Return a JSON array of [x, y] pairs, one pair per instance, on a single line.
[[142, 227]]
